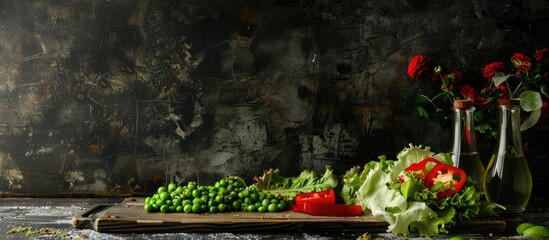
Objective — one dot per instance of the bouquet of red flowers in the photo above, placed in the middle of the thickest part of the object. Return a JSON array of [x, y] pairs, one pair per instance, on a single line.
[[522, 78]]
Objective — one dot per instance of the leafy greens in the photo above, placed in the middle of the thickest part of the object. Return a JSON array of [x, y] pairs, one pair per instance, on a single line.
[[409, 207], [307, 181]]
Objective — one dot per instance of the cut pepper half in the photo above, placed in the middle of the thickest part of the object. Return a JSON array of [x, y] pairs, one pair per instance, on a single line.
[[445, 179], [333, 210], [420, 169], [323, 203], [326, 196]]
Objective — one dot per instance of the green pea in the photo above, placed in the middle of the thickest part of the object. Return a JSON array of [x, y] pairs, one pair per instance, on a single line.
[[214, 209], [281, 206], [179, 209], [273, 207], [233, 194], [188, 208], [172, 208], [191, 186], [251, 208], [536, 232], [196, 193], [164, 196], [265, 202], [236, 205], [162, 189], [204, 208], [212, 203], [148, 208], [165, 208], [223, 183], [187, 202], [188, 193], [172, 187], [222, 207], [458, 238], [262, 209], [198, 201], [196, 208]]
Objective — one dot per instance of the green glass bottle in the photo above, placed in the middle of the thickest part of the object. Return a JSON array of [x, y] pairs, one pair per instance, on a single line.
[[464, 148], [507, 180]]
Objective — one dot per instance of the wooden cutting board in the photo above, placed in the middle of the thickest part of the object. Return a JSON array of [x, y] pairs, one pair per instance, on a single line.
[[129, 216]]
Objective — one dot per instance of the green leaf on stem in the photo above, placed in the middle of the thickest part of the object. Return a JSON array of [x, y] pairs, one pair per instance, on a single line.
[[544, 89], [499, 78], [422, 112], [531, 120], [530, 100]]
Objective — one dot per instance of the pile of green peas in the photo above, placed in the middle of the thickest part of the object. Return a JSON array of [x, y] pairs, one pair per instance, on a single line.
[[226, 195]]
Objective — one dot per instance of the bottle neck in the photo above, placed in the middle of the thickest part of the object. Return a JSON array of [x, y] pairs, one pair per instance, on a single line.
[[509, 137], [464, 131]]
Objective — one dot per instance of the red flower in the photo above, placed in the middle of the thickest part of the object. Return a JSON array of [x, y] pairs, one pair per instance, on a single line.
[[541, 54], [418, 65], [521, 61], [473, 95], [504, 90], [491, 69]]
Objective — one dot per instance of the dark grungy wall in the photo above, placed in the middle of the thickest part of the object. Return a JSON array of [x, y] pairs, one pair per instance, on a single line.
[[117, 97]]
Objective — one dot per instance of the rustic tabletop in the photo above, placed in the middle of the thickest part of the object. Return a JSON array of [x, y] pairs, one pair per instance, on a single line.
[[50, 218]]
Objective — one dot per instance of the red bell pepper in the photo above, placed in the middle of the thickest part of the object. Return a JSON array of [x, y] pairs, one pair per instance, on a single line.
[[420, 168], [323, 204], [326, 196], [447, 179], [334, 210]]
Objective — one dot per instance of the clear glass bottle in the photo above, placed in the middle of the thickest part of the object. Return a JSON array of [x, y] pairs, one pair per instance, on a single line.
[[464, 148], [508, 181]]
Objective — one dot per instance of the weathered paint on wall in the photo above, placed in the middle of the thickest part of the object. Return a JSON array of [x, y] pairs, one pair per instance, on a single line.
[[118, 97]]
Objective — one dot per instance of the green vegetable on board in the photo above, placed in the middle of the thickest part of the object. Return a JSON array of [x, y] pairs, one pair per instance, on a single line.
[[307, 181], [230, 194], [410, 207]]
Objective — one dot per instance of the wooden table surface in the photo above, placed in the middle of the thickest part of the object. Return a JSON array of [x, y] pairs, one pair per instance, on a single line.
[[57, 214]]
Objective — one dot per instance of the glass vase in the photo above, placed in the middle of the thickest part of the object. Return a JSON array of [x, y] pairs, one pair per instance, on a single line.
[[507, 180], [464, 148]]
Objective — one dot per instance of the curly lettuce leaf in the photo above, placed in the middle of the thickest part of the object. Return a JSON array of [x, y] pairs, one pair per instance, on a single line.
[[352, 180], [355, 177], [307, 181], [409, 207], [389, 204]]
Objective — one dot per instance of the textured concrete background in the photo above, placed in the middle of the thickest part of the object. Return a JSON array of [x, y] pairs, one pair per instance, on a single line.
[[114, 98]]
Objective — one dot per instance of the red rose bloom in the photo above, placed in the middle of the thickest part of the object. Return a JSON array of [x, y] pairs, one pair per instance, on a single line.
[[521, 61], [541, 54], [418, 65], [473, 95], [491, 69], [504, 90]]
